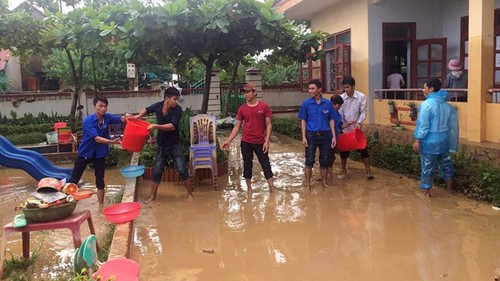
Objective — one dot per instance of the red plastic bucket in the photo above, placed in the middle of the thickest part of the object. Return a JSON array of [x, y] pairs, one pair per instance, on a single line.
[[135, 135], [353, 140]]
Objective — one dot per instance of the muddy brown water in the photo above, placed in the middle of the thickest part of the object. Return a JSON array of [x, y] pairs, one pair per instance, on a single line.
[[357, 230]]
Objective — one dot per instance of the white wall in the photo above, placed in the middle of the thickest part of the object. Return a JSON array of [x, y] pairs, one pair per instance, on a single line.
[[125, 103]]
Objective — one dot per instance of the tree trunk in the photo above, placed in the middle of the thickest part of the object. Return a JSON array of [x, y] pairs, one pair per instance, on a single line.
[[209, 65], [231, 87]]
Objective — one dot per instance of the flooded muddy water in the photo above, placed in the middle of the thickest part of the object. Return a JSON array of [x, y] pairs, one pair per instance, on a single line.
[[380, 229], [55, 248]]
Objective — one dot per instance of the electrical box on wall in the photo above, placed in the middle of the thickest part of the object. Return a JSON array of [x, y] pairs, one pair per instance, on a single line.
[[130, 70]]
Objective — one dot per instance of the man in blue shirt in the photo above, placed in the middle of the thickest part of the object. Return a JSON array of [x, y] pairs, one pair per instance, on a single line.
[[168, 116], [94, 145], [316, 116]]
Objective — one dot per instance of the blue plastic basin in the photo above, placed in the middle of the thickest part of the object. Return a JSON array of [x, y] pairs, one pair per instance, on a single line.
[[132, 171]]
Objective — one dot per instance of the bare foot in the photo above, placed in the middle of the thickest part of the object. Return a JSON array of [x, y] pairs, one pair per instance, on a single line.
[[427, 192], [326, 185], [152, 198], [271, 188]]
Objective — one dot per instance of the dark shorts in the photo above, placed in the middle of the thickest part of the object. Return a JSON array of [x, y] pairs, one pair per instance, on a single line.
[[364, 153], [321, 140]]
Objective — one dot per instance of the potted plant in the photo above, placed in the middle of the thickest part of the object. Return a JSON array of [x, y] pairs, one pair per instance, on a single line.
[[413, 110], [392, 106]]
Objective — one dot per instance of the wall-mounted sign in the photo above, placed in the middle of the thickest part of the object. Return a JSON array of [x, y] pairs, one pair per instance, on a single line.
[[130, 70]]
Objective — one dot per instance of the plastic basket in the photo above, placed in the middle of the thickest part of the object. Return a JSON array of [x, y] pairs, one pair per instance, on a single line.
[[51, 137]]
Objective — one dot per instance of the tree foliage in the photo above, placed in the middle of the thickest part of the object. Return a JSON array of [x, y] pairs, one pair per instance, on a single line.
[[222, 31], [176, 32]]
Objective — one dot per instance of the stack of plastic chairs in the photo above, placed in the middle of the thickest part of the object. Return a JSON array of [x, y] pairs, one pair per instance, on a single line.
[[64, 136], [203, 151]]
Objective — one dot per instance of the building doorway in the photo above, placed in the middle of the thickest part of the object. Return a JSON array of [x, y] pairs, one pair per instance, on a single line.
[[397, 39]]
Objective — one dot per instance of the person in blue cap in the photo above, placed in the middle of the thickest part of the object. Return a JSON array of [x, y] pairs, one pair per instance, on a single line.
[[436, 135]]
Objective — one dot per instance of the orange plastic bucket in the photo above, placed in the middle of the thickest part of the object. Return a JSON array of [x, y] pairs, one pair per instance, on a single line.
[[353, 140], [135, 135]]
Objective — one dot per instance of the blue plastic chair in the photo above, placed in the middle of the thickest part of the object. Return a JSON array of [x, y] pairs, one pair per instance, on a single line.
[[203, 152]]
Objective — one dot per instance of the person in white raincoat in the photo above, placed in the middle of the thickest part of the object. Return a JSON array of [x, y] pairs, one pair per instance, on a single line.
[[436, 135]]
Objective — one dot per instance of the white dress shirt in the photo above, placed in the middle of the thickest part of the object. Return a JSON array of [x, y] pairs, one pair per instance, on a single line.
[[353, 109]]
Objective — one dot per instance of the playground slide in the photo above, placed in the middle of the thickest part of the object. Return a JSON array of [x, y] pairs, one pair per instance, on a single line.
[[30, 161]]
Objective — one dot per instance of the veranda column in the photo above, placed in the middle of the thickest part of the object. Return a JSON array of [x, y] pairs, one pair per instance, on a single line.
[[481, 44], [253, 75], [214, 95]]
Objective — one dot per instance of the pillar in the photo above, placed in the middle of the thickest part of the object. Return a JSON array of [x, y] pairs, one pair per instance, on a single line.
[[481, 59], [253, 75], [214, 94]]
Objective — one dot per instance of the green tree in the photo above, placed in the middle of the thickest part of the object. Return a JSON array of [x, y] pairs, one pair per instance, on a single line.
[[211, 31], [19, 31]]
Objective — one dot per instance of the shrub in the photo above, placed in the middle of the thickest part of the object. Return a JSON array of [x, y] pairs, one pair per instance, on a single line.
[[287, 126], [27, 138]]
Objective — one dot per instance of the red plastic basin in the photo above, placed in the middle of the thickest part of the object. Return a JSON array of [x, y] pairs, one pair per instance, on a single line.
[[353, 140], [122, 212]]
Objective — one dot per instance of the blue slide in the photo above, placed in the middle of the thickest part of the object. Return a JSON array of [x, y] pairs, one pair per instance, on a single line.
[[30, 161]]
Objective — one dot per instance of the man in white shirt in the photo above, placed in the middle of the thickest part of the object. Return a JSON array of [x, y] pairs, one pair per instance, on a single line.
[[395, 81], [353, 113]]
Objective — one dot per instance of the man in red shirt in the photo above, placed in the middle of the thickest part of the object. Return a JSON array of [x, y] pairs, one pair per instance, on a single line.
[[256, 118]]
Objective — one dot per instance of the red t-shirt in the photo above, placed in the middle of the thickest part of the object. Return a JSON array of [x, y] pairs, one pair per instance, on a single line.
[[254, 122]]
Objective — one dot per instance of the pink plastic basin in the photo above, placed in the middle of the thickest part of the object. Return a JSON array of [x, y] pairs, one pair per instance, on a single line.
[[122, 212], [120, 269]]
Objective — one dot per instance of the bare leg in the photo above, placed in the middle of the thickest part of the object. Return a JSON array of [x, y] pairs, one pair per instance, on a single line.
[[100, 196], [343, 163], [366, 161], [449, 185], [324, 172], [308, 178], [188, 189], [154, 189], [249, 185], [427, 192], [270, 182]]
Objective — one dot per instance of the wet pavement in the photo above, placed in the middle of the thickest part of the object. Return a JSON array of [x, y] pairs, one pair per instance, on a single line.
[[359, 229], [55, 247]]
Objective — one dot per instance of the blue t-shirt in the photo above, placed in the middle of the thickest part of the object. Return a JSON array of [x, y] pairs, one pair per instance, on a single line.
[[173, 116], [91, 128], [337, 117], [317, 116]]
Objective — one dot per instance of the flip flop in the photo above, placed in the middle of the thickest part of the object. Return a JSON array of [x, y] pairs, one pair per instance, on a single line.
[[19, 221]]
